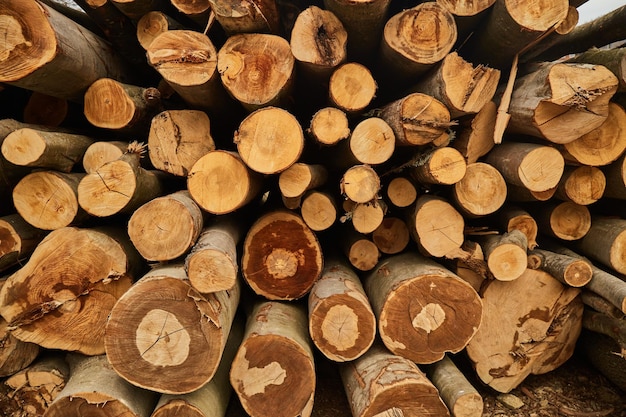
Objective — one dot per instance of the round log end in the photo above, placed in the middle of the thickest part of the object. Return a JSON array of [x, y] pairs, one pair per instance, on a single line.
[[481, 191], [401, 192], [352, 87], [107, 191], [507, 262], [23, 147], [392, 236], [107, 105], [329, 126], [363, 254], [372, 141], [424, 119], [436, 226], [360, 183], [578, 273], [541, 169], [211, 270], [570, 221], [318, 210]]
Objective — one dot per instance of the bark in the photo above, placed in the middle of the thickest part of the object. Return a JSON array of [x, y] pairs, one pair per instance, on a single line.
[[608, 326], [440, 165], [423, 309], [300, 178], [600, 304], [481, 191], [506, 254], [604, 242], [342, 324], [164, 336], [61, 297], [582, 185], [18, 240], [401, 191], [250, 16], [515, 218], [10, 174], [49, 53], [101, 152], [152, 24], [533, 332], [281, 258], [360, 250], [329, 126], [166, 227], [275, 354], [603, 353], [352, 88], [568, 270], [566, 221], [475, 137], [383, 384], [392, 236], [319, 210], [135, 9], [521, 194], [461, 398]]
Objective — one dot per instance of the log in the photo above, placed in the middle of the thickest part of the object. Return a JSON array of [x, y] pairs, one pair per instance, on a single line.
[[281, 257], [94, 387], [552, 36], [10, 174], [438, 165], [481, 191], [269, 140], [42, 148], [582, 185], [367, 217], [566, 221], [212, 264], [342, 324], [220, 182], [461, 398], [360, 183], [257, 69], [300, 178], [18, 240], [401, 191], [372, 142], [276, 353], [319, 210], [612, 59], [602, 352], [468, 15], [521, 194], [512, 217], [101, 152], [462, 87], [568, 270], [471, 266], [506, 254], [474, 137], [164, 336], [61, 297], [45, 42], [120, 186], [533, 166], [352, 88], [197, 12], [392, 236], [177, 139], [329, 126], [152, 24], [250, 16], [48, 200], [600, 304], [166, 227], [604, 242], [533, 332], [423, 309], [360, 250], [380, 383], [545, 105], [608, 326]]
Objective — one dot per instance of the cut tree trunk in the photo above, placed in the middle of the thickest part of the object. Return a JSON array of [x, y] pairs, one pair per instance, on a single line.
[[273, 372], [101, 152], [392, 236], [533, 332], [49, 53], [567, 221], [568, 270], [475, 136], [282, 257], [319, 210], [61, 297], [604, 242], [164, 336], [516, 218], [152, 24], [352, 88], [301, 177], [341, 321], [360, 250], [166, 227], [249, 16], [423, 309], [367, 217], [481, 191], [197, 11], [552, 36], [468, 15], [582, 185], [360, 183], [381, 384], [18, 240], [372, 142], [506, 254], [329, 126], [94, 388], [401, 191], [613, 59], [440, 165]]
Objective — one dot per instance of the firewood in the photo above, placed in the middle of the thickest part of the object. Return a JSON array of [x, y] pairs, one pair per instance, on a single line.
[[471, 267], [301, 177], [32, 147], [19, 239], [481, 191], [568, 270], [50, 43], [360, 250], [566, 220], [438, 165], [94, 387], [513, 340], [600, 304], [48, 200], [342, 324], [512, 217], [250, 16], [401, 191], [61, 297], [367, 217], [152, 24], [212, 264], [101, 152], [198, 12], [164, 336], [392, 236], [276, 353], [352, 87], [329, 126], [282, 257], [166, 227], [474, 137], [220, 182], [604, 242], [372, 142], [319, 210], [419, 305], [257, 69], [582, 185], [360, 183], [461, 398], [506, 254]]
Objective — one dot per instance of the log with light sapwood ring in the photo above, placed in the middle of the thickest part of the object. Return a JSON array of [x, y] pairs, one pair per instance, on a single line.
[[506, 254], [352, 87], [329, 126], [360, 183], [481, 191], [269, 140], [164, 336], [273, 372], [341, 321], [423, 309], [282, 257], [568, 270]]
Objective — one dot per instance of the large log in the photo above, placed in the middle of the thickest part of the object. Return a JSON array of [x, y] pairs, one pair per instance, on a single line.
[[164, 336]]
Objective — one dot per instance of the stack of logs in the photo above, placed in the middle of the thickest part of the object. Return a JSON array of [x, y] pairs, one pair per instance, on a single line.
[[206, 197]]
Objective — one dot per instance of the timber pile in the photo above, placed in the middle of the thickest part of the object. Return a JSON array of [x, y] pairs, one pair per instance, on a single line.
[[200, 199]]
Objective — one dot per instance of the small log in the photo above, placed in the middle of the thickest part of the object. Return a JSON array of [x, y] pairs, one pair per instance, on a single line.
[[360, 250], [530, 165], [582, 185], [439, 165], [250, 16], [152, 24], [474, 137], [220, 182], [360, 183], [61, 297], [604, 242], [459, 395], [392, 236], [603, 353], [471, 267], [481, 191], [319, 210], [566, 221], [257, 69], [281, 258], [48, 200], [380, 383], [367, 217], [164, 336], [544, 104], [600, 304], [269, 140], [197, 12], [342, 324], [37, 148], [423, 309], [276, 353], [506, 254], [301, 177], [568, 270], [119, 186], [101, 152], [521, 194], [329, 126], [94, 387], [401, 191], [463, 87], [533, 332], [37, 386], [177, 139], [352, 87], [436, 226], [512, 217], [18, 239], [166, 227], [45, 42], [416, 119]]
